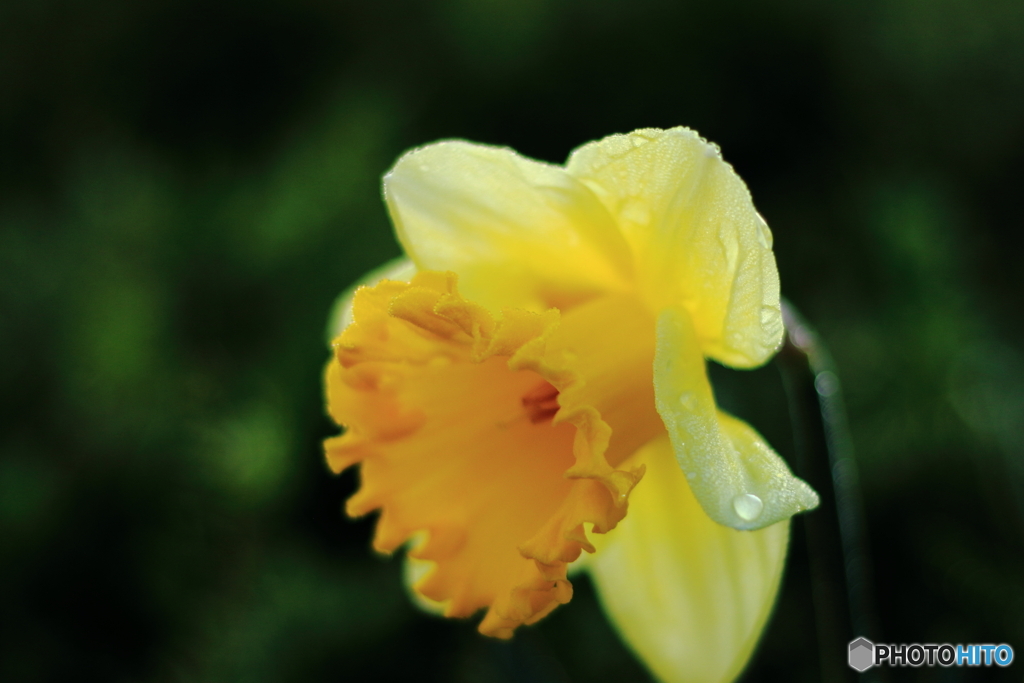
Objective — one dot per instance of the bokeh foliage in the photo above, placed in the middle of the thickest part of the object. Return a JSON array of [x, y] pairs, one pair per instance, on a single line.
[[185, 187]]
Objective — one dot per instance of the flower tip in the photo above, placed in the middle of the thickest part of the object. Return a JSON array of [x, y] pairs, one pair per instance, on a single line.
[[809, 498]]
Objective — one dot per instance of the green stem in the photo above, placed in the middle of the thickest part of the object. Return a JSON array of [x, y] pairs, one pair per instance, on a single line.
[[836, 539]]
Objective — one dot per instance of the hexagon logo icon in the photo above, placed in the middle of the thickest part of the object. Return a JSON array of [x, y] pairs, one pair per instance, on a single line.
[[862, 654]]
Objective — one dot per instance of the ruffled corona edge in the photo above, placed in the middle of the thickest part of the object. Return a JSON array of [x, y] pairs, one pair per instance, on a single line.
[[450, 413]]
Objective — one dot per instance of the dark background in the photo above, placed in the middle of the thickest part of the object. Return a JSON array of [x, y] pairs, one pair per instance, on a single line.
[[185, 188]]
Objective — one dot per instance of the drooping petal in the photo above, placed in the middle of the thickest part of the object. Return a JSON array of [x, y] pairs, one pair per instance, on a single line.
[[737, 478], [484, 438], [697, 238], [688, 595], [520, 233]]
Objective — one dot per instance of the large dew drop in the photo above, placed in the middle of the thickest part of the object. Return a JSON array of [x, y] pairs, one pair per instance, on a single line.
[[747, 506]]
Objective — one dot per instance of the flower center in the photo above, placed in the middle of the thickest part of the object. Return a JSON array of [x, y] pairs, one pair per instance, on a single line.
[[494, 436], [541, 403]]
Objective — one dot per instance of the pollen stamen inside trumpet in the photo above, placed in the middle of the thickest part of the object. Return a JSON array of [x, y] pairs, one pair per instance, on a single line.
[[541, 403]]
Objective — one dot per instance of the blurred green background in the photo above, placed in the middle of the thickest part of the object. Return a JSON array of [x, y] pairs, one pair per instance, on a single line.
[[186, 186]]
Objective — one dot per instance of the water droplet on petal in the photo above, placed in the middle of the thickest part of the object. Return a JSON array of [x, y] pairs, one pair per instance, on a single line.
[[687, 400], [747, 506]]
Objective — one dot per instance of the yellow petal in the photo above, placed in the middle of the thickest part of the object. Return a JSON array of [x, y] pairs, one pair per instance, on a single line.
[[688, 595], [415, 571], [697, 239], [518, 232], [737, 478], [491, 441], [400, 269]]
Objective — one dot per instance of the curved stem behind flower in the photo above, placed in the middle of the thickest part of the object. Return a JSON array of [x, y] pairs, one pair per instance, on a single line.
[[836, 539]]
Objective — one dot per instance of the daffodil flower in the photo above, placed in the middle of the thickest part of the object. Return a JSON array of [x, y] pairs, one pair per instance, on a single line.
[[534, 371]]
